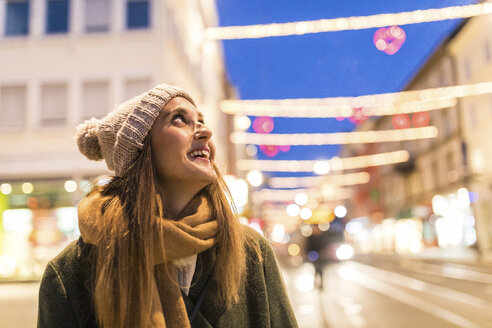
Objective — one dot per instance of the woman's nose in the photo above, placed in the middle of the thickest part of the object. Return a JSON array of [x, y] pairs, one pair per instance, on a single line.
[[203, 132]]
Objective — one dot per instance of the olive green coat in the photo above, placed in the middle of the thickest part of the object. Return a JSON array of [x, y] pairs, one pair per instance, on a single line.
[[65, 296]]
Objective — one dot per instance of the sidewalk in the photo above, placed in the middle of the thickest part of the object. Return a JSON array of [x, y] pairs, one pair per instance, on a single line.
[[461, 255], [467, 256]]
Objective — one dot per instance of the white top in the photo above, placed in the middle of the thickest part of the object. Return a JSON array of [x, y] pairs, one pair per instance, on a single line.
[[185, 268]]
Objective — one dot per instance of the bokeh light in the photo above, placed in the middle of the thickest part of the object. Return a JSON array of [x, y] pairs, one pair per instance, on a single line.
[[269, 150], [306, 230], [27, 188], [321, 167], [401, 121], [301, 199], [344, 252], [242, 122], [263, 124], [251, 150], [420, 119], [278, 233], [70, 186], [313, 256], [325, 226], [293, 249], [255, 178], [306, 213], [389, 39], [293, 210], [304, 282], [340, 211], [6, 188]]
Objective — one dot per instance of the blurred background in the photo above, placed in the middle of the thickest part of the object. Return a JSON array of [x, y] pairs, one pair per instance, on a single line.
[[353, 135]]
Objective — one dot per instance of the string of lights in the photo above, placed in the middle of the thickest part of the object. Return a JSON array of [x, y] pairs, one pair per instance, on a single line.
[[403, 102], [347, 23], [294, 108], [272, 195], [337, 138], [334, 164], [307, 182]]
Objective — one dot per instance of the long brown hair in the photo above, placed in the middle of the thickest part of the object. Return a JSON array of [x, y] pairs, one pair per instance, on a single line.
[[124, 263]]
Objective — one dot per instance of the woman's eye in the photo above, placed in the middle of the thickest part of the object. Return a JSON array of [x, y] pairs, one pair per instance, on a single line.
[[179, 118]]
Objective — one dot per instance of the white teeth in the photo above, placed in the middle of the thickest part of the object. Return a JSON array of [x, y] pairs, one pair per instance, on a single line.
[[203, 153]]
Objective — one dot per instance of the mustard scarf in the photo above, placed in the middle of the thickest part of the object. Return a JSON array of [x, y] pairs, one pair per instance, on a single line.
[[193, 233]]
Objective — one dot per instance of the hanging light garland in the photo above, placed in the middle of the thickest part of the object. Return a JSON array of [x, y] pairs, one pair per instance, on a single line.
[[272, 195], [347, 23], [309, 107], [334, 164], [337, 138], [404, 102], [307, 182]]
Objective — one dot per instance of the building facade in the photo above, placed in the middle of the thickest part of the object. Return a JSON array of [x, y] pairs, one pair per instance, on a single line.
[[471, 50], [65, 61], [445, 186]]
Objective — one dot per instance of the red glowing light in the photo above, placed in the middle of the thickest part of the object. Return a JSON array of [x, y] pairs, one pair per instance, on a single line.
[[269, 150], [272, 150], [389, 39], [357, 116], [420, 119], [284, 148], [263, 124], [401, 121]]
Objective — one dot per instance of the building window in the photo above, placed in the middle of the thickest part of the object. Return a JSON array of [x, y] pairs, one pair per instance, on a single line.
[[57, 13], [17, 18], [435, 173], [490, 104], [95, 99], [452, 173], [472, 116], [442, 78], [486, 48], [12, 107], [134, 87], [467, 69], [446, 123], [137, 14], [97, 15], [54, 102]]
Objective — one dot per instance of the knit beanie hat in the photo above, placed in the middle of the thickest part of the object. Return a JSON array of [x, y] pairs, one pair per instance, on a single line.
[[118, 137]]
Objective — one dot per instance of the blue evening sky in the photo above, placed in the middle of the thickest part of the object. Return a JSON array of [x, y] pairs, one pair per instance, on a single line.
[[324, 64]]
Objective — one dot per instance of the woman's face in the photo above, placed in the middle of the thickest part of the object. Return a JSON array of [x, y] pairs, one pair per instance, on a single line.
[[182, 148]]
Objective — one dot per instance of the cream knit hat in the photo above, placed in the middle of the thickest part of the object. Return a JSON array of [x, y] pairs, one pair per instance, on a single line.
[[118, 137]]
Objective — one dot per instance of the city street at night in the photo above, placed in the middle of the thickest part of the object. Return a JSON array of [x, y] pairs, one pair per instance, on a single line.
[[196, 136], [371, 291], [387, 291]]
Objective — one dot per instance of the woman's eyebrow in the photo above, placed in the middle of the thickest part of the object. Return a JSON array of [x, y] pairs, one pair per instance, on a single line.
[[180, 110], [177, 110]]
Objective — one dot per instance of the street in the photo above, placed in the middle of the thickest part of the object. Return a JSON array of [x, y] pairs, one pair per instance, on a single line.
[[18, 304], [387, 291], [370, 291]]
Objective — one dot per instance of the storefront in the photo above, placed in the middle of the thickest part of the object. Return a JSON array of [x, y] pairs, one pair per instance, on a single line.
[[37, 220], [454, 220], [450, 223]]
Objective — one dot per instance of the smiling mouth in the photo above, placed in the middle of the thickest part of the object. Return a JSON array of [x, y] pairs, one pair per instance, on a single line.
[[200, 155]]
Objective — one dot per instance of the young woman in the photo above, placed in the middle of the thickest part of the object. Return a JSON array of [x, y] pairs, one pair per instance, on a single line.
[[160, 245]]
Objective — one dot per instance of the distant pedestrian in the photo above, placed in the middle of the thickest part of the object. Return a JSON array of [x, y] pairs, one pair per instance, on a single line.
[[317, 252], [160, 245]]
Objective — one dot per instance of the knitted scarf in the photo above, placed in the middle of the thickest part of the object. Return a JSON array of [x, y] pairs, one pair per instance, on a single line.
[[193, 233]]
